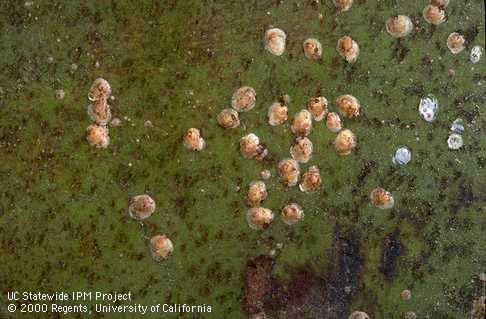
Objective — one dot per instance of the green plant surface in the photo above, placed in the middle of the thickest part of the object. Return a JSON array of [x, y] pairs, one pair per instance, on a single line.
[[64, 224]]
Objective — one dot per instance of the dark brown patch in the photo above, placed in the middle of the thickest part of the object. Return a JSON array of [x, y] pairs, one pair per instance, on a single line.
[[258, 283], [465, 197], [392, 249], [400, 51], [308, 294]]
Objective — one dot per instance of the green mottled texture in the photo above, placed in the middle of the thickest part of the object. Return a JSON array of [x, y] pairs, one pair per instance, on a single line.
[[63, 204]]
